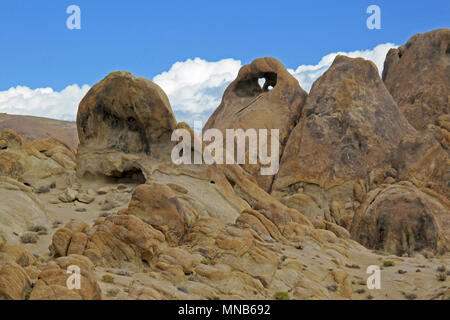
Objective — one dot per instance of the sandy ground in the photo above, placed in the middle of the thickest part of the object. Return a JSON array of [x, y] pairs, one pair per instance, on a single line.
[[409, 277]]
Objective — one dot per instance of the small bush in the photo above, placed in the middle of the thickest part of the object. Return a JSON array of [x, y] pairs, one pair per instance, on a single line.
[[442, 269], [332, 288], [410, 296], [27, 294], [29, 237], [112, 292], [2, 242], [282, 295], [40, 230], [107, 278], [388, 263], [442, 276], [207, 261], [43, 189]]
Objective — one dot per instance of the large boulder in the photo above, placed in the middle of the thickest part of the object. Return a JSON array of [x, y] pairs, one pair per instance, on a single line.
[[52, 281], [402, 219], [119, 241], [15, 269], [420, 158], [120, 117], [349, 127], [417, 75], [39, 163], [157, 205], [246, 104], [19, 210]]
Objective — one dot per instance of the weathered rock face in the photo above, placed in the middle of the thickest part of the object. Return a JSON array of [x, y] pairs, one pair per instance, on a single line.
[[246, 104], [418, 77], [349, 127], [52, 281], [158, 206], [121, 116], [38, 163], [424, 161], [119, 241], [402, 219], [19, 210], [15, 281]]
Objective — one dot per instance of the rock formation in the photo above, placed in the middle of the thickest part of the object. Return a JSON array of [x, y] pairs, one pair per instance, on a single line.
[[39, 164], [119, 118], [19, 210], [417, 76], [402, 219], [247, 104], [420, 158], [52, 281], [345, 139], [141, 227]]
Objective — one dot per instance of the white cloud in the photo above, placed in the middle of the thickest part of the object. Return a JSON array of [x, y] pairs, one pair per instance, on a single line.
[[194, 87], [307, 74], [43, 102]]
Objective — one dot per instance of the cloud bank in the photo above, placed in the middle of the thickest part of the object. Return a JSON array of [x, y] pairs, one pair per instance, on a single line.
[[307, 74], [194, 87], [43, 102]]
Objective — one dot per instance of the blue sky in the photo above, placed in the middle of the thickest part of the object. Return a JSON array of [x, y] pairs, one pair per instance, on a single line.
[[148, 37]]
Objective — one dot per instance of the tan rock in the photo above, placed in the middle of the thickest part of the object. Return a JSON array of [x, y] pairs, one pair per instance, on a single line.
[[14, 282], [422, 160], [19, 210], [69, 195], [158, 206], [247, 105], [52, 283], [349, 125], [111, 131], [85, 198], [344, 282], [25, 162], [60, 242], [123, 241], [78, 243], [402, 219], [416, 74]]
